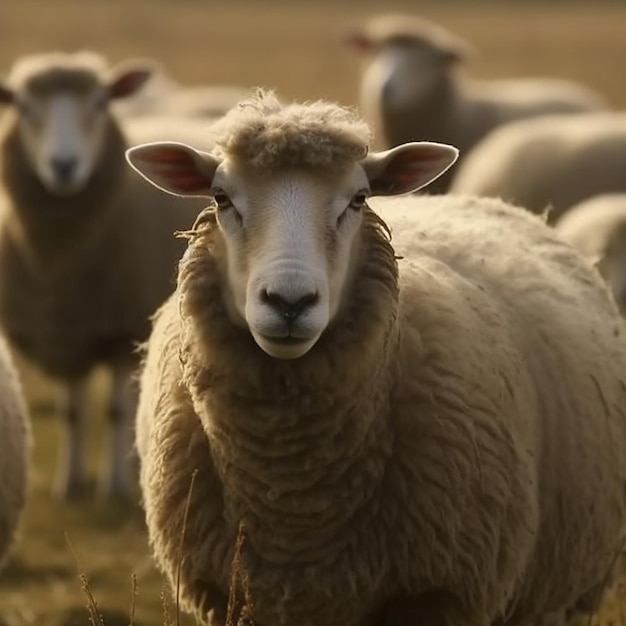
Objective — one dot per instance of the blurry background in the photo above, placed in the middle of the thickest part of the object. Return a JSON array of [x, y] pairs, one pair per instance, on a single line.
[[295, 47]]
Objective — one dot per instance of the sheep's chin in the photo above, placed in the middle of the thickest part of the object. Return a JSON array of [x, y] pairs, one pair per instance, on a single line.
[[282, 349], [62, 189]]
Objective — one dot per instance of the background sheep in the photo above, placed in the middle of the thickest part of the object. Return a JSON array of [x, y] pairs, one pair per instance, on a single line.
[[14, 440], [548, 164], [82, 267], [446, 446], [597, 227], [410, 89]]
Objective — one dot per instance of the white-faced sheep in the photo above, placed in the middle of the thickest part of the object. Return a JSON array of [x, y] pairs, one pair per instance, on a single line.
[[410, 89], [597, 228], [431, 438], [550, 164], [87, 250], [14, 445]]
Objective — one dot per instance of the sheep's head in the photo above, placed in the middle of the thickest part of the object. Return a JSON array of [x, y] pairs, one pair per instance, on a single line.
[[289, 223], [408, 58], [62, 107]]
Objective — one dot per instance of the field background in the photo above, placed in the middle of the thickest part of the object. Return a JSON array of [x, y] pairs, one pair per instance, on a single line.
[[295, 48]]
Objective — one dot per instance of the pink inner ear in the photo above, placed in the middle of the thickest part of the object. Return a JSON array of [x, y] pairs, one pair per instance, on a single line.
[[187, 181], [409, 166], [359, 41], [424, 155], [167, 155], [176, 168], [129, 82]]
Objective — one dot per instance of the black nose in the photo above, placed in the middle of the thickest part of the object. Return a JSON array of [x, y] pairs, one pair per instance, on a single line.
[[63, 167], [289, 309]]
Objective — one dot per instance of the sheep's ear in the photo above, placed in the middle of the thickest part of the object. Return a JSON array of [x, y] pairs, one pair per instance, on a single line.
[[174, 167], [127, 78], [455, 50], [359, 40], [407, 167], [6, 94]]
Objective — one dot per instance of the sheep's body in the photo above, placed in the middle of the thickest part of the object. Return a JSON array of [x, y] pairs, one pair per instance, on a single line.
[[14, 440], [550, 163], [80, 276], [411, 92], [597, 228], [450, 458], [81, 273]]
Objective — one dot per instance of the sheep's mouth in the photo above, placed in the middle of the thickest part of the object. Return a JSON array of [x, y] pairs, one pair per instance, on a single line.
[[286, 341], [286, 347]]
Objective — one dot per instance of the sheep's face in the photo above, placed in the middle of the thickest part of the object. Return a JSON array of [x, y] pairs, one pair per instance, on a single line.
[[291, 235], [405, 71], [63, 120], [62, 135], [291, 240], [403, 75]]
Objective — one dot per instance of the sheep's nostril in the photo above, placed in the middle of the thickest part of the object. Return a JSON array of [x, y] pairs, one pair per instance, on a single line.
[[289, 309], [64, 167]]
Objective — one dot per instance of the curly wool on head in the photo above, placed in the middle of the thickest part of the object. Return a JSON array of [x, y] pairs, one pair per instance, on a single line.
[[263, 133]]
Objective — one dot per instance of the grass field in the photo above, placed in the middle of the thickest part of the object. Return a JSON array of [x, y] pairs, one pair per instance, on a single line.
[[293, 47]]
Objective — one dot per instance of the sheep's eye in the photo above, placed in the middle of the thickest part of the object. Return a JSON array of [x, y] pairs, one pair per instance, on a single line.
[[224, 203], [358, 201], [222, 200], [356, 204]]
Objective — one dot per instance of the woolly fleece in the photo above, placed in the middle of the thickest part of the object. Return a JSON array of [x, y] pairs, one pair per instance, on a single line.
[[548, 164]]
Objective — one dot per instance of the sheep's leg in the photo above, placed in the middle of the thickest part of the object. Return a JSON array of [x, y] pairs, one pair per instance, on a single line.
[[119, 474], [71, 476]]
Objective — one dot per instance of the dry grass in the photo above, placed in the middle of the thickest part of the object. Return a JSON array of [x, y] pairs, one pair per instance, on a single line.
[[293, 47]]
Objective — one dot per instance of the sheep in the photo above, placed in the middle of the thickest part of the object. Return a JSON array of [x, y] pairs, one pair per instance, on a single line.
[[597, 228], [15, 444], [547, 165], [429, 433], [410, 89], [81, 269]]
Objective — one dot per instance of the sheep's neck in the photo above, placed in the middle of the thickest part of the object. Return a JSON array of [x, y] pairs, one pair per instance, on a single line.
[[300, 446], [298, 469]]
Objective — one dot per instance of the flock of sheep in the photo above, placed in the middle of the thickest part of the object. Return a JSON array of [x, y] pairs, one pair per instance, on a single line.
[[388, 393]]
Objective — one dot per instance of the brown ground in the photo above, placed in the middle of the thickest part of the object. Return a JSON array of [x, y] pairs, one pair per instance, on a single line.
[[293, 47]]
